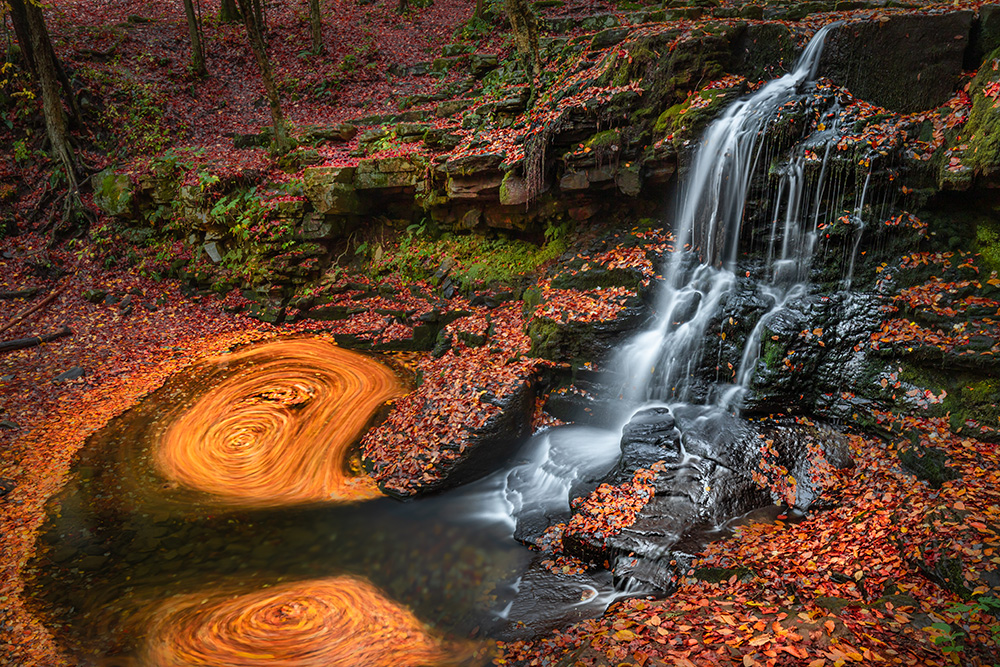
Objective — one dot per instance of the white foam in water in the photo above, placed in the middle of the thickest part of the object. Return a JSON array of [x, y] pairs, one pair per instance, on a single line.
[[554, 461]]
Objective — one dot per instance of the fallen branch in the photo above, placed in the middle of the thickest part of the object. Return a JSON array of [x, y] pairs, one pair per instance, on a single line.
[[26, 293], [21, 343], [38, 306]]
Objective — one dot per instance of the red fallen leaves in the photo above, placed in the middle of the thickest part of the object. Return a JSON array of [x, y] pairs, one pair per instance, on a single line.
[[430, 428], [879, 524], [605, 512], [596, 305], [608, 509], [645, 258], [943, 297]]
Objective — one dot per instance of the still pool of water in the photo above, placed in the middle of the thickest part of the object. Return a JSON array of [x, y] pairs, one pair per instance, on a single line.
[[218, 522]]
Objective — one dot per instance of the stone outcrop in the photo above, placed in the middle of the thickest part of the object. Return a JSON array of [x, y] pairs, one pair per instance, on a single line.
[[904, 63], [702, 480]]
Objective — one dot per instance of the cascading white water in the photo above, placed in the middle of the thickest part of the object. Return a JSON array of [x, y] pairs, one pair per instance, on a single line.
[[659, 362]]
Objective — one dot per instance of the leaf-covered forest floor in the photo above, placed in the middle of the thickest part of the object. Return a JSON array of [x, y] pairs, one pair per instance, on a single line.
[[880, 571]]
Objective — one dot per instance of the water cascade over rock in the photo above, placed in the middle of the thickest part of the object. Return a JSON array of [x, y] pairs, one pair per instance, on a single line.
[[679, 428]]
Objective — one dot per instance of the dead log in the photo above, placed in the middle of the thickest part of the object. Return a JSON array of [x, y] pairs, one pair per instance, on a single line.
[[25, 293], [21, 343], [38, 306]]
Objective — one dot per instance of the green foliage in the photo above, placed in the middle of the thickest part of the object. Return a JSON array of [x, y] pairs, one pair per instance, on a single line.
[[478, 260], [988, 243], [949, 637], [476, 28], [133, 113], [983, 129], [772, 354]]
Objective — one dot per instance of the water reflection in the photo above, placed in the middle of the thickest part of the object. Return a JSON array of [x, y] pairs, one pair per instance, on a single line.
[[131, 561], [335, 622]]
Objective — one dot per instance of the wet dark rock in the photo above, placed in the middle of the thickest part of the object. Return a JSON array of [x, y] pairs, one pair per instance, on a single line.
[[650, 436], [71, 374], [929, 464], [6, 486], [8, 425], [702, 482], [94, 295], [808, 349], [582, 408], [548, 600], [865, 58]]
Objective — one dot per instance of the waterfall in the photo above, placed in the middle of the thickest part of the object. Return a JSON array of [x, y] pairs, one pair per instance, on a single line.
[[659, 363], [661, 366]]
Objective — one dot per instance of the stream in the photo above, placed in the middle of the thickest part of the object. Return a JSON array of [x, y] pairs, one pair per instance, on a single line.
[[221, 521]]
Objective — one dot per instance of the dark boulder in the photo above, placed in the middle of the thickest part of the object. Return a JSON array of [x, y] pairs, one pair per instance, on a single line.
[[904, 63]]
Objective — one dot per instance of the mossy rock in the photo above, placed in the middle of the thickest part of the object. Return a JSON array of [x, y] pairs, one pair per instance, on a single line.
[[982, 132], [928, 464], [836, 605], [717, 575], [763, 51], [572, 277], [688, 119], [113, 193]]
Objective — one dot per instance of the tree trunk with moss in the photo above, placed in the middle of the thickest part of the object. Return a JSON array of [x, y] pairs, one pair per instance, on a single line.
[[525, 28], [256, 37], [19, 19], [228, 11], [316, 27], [194, 32], [37, 43]]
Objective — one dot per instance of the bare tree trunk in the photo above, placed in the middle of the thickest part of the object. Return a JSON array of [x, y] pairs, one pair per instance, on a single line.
[[525, 28], [254, 33], [197, 53], [480, 9], [47, 75], [258, 13], [316, 26], [228, 11], [402, 6], [19, 17]]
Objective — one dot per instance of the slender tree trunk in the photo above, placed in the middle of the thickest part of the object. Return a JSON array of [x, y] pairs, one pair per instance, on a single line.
[[258, 13], [480, 9], [19, 17], [260, 53], [47, 75], [197, 53], [228, 11], [402, 6], [316, 26]]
